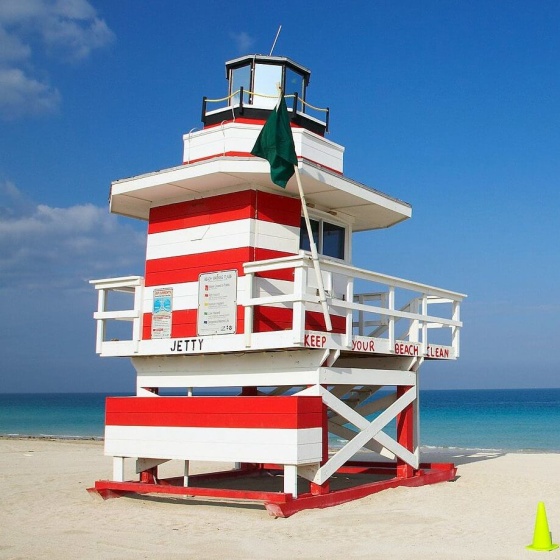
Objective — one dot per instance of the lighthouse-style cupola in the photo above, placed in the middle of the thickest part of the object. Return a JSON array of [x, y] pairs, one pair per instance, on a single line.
[[249, 292], [254, 83]]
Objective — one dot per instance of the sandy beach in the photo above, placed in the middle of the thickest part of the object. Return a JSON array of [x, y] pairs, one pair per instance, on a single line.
[[487, 512]]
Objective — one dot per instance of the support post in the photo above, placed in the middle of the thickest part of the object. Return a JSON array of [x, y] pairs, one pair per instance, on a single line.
[[149, 476], [405, 434], [290, 480], [118, 469]]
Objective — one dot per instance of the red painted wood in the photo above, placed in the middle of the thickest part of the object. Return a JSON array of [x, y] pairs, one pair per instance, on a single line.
[[278, 209], [184, 324], [280, 504], [268, 319], [315, 321], [241, 205], [349, 494], [140, 488], [405, 434], [203, 211], [215, 412], [187, 268], [226, 405]]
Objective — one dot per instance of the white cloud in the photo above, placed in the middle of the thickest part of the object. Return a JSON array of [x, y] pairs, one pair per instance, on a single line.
[[46, 248], [243, 42], [68, 30], [22, 95]]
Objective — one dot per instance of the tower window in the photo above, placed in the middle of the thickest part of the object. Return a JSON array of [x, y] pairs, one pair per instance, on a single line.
[[329, 238]]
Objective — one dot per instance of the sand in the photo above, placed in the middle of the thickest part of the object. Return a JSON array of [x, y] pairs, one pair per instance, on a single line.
[[487, 512]]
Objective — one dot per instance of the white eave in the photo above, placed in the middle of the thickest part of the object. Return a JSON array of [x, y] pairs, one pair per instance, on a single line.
[[324, 189]]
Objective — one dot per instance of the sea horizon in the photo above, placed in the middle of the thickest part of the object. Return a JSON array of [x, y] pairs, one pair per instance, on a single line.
[[490, 420]]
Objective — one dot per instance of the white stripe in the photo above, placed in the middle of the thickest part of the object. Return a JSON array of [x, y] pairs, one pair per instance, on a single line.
[[223, 236], [284, 446]]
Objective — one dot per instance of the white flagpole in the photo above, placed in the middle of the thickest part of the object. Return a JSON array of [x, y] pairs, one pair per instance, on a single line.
[[314, 255]]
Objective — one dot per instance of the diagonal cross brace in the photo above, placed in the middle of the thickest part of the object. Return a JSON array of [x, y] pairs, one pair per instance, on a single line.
[[369, 430]]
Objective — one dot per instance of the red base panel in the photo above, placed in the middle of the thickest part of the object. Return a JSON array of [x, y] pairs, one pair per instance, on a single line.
[[280, 504]]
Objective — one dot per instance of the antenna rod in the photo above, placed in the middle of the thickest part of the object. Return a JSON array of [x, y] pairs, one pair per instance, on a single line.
[[276, 39]]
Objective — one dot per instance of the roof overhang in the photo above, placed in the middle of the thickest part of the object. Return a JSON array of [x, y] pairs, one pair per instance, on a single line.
[[324, 189]]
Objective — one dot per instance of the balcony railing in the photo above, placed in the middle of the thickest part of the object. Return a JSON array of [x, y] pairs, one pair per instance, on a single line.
[[132, 286], [374, 306]]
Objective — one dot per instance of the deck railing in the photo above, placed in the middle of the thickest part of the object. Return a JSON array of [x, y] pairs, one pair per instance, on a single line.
[[371, 304], [132, 285]]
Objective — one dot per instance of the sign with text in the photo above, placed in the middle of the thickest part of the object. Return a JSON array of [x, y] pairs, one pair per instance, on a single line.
[[162, 313], [217, 303]]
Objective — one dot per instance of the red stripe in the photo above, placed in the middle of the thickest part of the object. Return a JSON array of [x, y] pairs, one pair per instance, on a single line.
[[226, 208], [187, 268], [278, 209], [204, 211], [280, 318], [184, 323], [215, 412]]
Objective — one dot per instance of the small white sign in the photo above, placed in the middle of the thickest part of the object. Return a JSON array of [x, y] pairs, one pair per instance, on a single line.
[[162, 313], [217, 303]]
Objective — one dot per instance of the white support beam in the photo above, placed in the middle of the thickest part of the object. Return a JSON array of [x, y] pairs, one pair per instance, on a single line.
[[372, 445], [359, 376]]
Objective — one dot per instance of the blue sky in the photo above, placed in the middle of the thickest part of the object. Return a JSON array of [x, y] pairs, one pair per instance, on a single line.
[[451, 106]]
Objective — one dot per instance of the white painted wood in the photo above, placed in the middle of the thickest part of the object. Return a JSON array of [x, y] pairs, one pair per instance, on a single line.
[[290, 480], [143, 464], [325, 188], [371, 445], [118, 469], [372, 431], [241, 137], [222, 236], [281, 446], [338, 376], [308, 471]]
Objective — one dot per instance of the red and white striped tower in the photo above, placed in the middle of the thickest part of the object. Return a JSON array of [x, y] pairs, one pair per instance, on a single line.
[[230, 304]]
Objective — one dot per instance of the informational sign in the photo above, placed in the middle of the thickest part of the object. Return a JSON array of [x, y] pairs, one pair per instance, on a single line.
[[217, 303], [162, 313]]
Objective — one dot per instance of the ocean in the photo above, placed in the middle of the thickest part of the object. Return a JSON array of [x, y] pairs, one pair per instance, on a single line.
[[507, 420]]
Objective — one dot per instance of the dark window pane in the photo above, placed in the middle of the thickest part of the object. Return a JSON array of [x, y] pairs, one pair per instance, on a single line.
[[304, 237], [333, 240]]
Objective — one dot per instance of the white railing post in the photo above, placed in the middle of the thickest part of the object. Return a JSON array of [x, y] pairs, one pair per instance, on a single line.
[[455, 332], [424, 323], [391, 308], [349, 312], [137, 321], [300, 289], [100, 330], [248, 318], [413, 333]]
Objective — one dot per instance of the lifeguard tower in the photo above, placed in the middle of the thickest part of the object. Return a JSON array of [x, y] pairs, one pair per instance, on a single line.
[[250, 351]]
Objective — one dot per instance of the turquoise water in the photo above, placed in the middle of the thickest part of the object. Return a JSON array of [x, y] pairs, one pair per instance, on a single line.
[[514, 419]]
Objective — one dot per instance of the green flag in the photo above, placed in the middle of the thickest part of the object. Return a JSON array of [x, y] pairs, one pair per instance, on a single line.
[[276, 144]]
